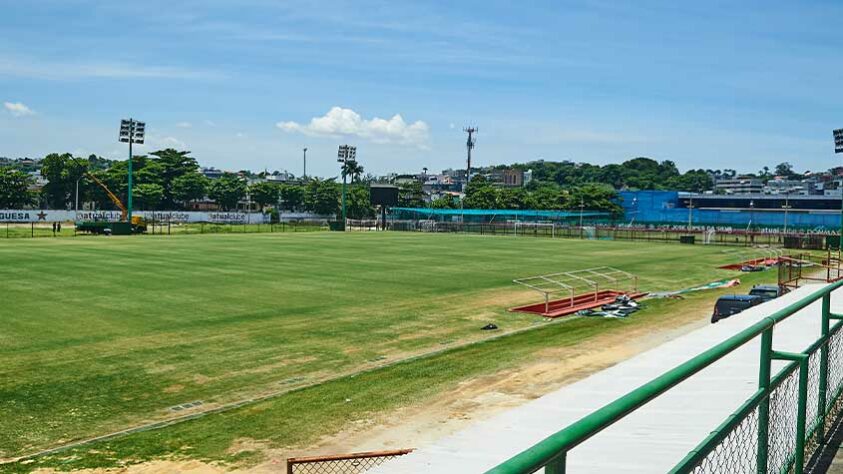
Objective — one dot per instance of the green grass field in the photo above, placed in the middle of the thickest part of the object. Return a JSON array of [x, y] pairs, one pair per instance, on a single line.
[[100, 334]]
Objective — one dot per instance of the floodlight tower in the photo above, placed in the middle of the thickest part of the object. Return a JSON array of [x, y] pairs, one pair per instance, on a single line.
[[131, 131], [345, 155], [838, 148], [469, 145]]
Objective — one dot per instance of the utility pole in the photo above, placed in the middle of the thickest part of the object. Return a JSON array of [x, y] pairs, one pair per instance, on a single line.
[[304, 173]]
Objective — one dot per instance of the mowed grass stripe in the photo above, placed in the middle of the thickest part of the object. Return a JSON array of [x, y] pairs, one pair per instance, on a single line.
[[302, 416], [101, 333]]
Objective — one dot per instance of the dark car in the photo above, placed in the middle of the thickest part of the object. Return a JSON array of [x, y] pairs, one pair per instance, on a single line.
[[766, 292], [733, 304]]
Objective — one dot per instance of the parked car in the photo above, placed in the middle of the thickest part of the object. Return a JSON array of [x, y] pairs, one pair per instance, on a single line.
[[733, 304], [766, 292]]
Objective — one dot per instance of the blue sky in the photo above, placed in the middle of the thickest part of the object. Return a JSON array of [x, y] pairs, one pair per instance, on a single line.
[[248, 83]]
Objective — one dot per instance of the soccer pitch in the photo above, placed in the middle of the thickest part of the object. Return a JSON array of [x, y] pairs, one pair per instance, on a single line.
[[102, 334]]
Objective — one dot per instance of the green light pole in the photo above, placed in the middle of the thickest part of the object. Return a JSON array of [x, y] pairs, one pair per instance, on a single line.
[[346, 154], [131, 131], [838, 148]]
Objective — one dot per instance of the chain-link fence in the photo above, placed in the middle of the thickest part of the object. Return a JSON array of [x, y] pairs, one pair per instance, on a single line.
[[735, 446], [342, 464], [674, 234], [11, 230]]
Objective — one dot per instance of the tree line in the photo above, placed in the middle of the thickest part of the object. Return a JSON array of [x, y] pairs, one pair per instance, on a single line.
[[170, 180]]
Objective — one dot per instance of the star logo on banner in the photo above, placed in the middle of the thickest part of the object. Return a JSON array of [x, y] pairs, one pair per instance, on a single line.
[[42, 216]]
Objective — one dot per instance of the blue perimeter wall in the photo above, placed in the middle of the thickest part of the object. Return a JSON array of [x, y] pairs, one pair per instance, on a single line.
[[662, 207]]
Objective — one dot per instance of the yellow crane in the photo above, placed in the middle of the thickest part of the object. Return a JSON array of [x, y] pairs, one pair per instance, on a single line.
[[137, 225]]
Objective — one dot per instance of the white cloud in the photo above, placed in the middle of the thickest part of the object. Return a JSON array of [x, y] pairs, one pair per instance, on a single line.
[[18, 109], [340, 122], [61, 70], [157, 142], [210, 123], [184, 125], [240, 135], [173, 142]]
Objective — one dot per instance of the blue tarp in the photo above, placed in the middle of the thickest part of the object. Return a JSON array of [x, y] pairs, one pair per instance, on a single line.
[[494, 215]]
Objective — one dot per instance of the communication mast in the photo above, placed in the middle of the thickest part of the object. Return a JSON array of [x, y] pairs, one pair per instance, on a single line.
[[469, 145]]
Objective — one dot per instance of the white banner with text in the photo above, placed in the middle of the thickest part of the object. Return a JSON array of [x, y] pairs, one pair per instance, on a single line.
[[36, 215]]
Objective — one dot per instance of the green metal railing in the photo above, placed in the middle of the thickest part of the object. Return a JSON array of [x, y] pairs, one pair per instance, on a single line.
[[775, 430]]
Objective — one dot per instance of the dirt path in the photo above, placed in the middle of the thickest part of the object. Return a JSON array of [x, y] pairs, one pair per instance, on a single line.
[[472, 401], [486, 396]]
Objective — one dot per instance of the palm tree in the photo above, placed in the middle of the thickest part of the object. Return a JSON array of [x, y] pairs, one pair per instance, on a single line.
[[353, 169]]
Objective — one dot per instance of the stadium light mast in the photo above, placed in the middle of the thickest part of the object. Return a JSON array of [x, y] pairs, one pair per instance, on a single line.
[[751, 214], [131, 131], [345, 155], [838, 148]]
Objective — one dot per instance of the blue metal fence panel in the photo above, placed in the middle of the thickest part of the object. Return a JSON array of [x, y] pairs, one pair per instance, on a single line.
[[663, 207]]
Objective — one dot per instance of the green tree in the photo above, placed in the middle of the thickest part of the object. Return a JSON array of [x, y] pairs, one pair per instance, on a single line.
[[483, 198], [548, 197], [515, 198], [170, 165], [595, 197], [410, 194], [479, 194], [695, 181], [14, 189], [190, 187], [446, 201], [353, 169], [264, 194], [147, 196], [61, 173], [227, 191], [358, 204], [323, 197], [785, 170], [292, 197]]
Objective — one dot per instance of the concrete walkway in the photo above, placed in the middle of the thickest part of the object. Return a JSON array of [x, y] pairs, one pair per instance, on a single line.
[[649, 440]]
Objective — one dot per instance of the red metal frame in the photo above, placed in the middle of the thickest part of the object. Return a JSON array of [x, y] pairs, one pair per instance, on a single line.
[[568, 306]]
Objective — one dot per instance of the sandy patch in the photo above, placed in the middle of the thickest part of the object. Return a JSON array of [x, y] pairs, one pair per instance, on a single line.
[[174, 388]]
